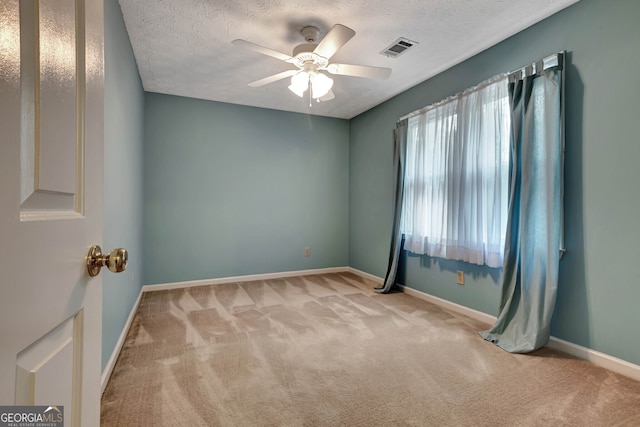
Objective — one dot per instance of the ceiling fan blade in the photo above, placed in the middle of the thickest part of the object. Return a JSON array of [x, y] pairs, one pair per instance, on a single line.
[[334, 40], [263, 50], [359, 71], [274, 78], [328, 97]]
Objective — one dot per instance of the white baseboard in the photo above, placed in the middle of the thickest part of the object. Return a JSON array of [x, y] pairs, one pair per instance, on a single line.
[[611, 363], [361, 273], [456, 308], [600, 359], [235, 279], [106, 374]]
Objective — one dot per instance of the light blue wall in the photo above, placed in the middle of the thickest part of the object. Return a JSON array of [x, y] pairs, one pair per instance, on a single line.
[[598, 289], [233, 190], [123, 161]]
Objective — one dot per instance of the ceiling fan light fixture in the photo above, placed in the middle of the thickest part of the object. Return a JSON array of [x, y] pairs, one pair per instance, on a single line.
[[320, 85], [299, 83]]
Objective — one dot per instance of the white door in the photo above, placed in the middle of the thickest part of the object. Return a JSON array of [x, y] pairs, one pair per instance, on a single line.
[[51, 163]]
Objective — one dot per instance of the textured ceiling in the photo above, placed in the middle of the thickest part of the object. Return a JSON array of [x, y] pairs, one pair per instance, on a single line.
[[183, 47]]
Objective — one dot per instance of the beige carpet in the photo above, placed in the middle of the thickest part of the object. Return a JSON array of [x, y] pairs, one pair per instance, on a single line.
[[326, 350]]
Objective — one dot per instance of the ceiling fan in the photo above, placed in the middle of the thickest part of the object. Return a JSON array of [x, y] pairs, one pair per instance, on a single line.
[[311, 59]]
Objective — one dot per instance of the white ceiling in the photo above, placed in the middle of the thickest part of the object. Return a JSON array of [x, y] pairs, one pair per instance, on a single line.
[[183, 47]]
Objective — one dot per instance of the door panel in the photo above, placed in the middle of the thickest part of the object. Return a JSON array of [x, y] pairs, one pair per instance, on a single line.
[[51, 163], [47, 372], [52, 139]]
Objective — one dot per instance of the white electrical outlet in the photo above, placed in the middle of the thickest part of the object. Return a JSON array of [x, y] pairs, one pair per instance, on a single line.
[[460, 277], [307, 251]]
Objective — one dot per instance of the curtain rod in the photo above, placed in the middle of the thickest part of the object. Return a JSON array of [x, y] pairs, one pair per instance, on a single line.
[[467, 91], [552, 61]]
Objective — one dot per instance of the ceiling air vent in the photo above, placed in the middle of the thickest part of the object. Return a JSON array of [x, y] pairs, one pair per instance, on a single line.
[[398, 47]]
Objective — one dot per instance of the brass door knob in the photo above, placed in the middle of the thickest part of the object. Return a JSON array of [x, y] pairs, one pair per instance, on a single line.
[[115, 261]]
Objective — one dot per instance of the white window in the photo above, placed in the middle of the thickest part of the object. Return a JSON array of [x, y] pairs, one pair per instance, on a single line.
[[456, 172]]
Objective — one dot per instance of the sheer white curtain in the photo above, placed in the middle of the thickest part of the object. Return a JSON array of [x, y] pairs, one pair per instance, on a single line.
[[457, 164]]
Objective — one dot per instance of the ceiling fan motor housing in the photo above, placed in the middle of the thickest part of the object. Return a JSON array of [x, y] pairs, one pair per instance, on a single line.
[[304, 48], [303, 54]]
